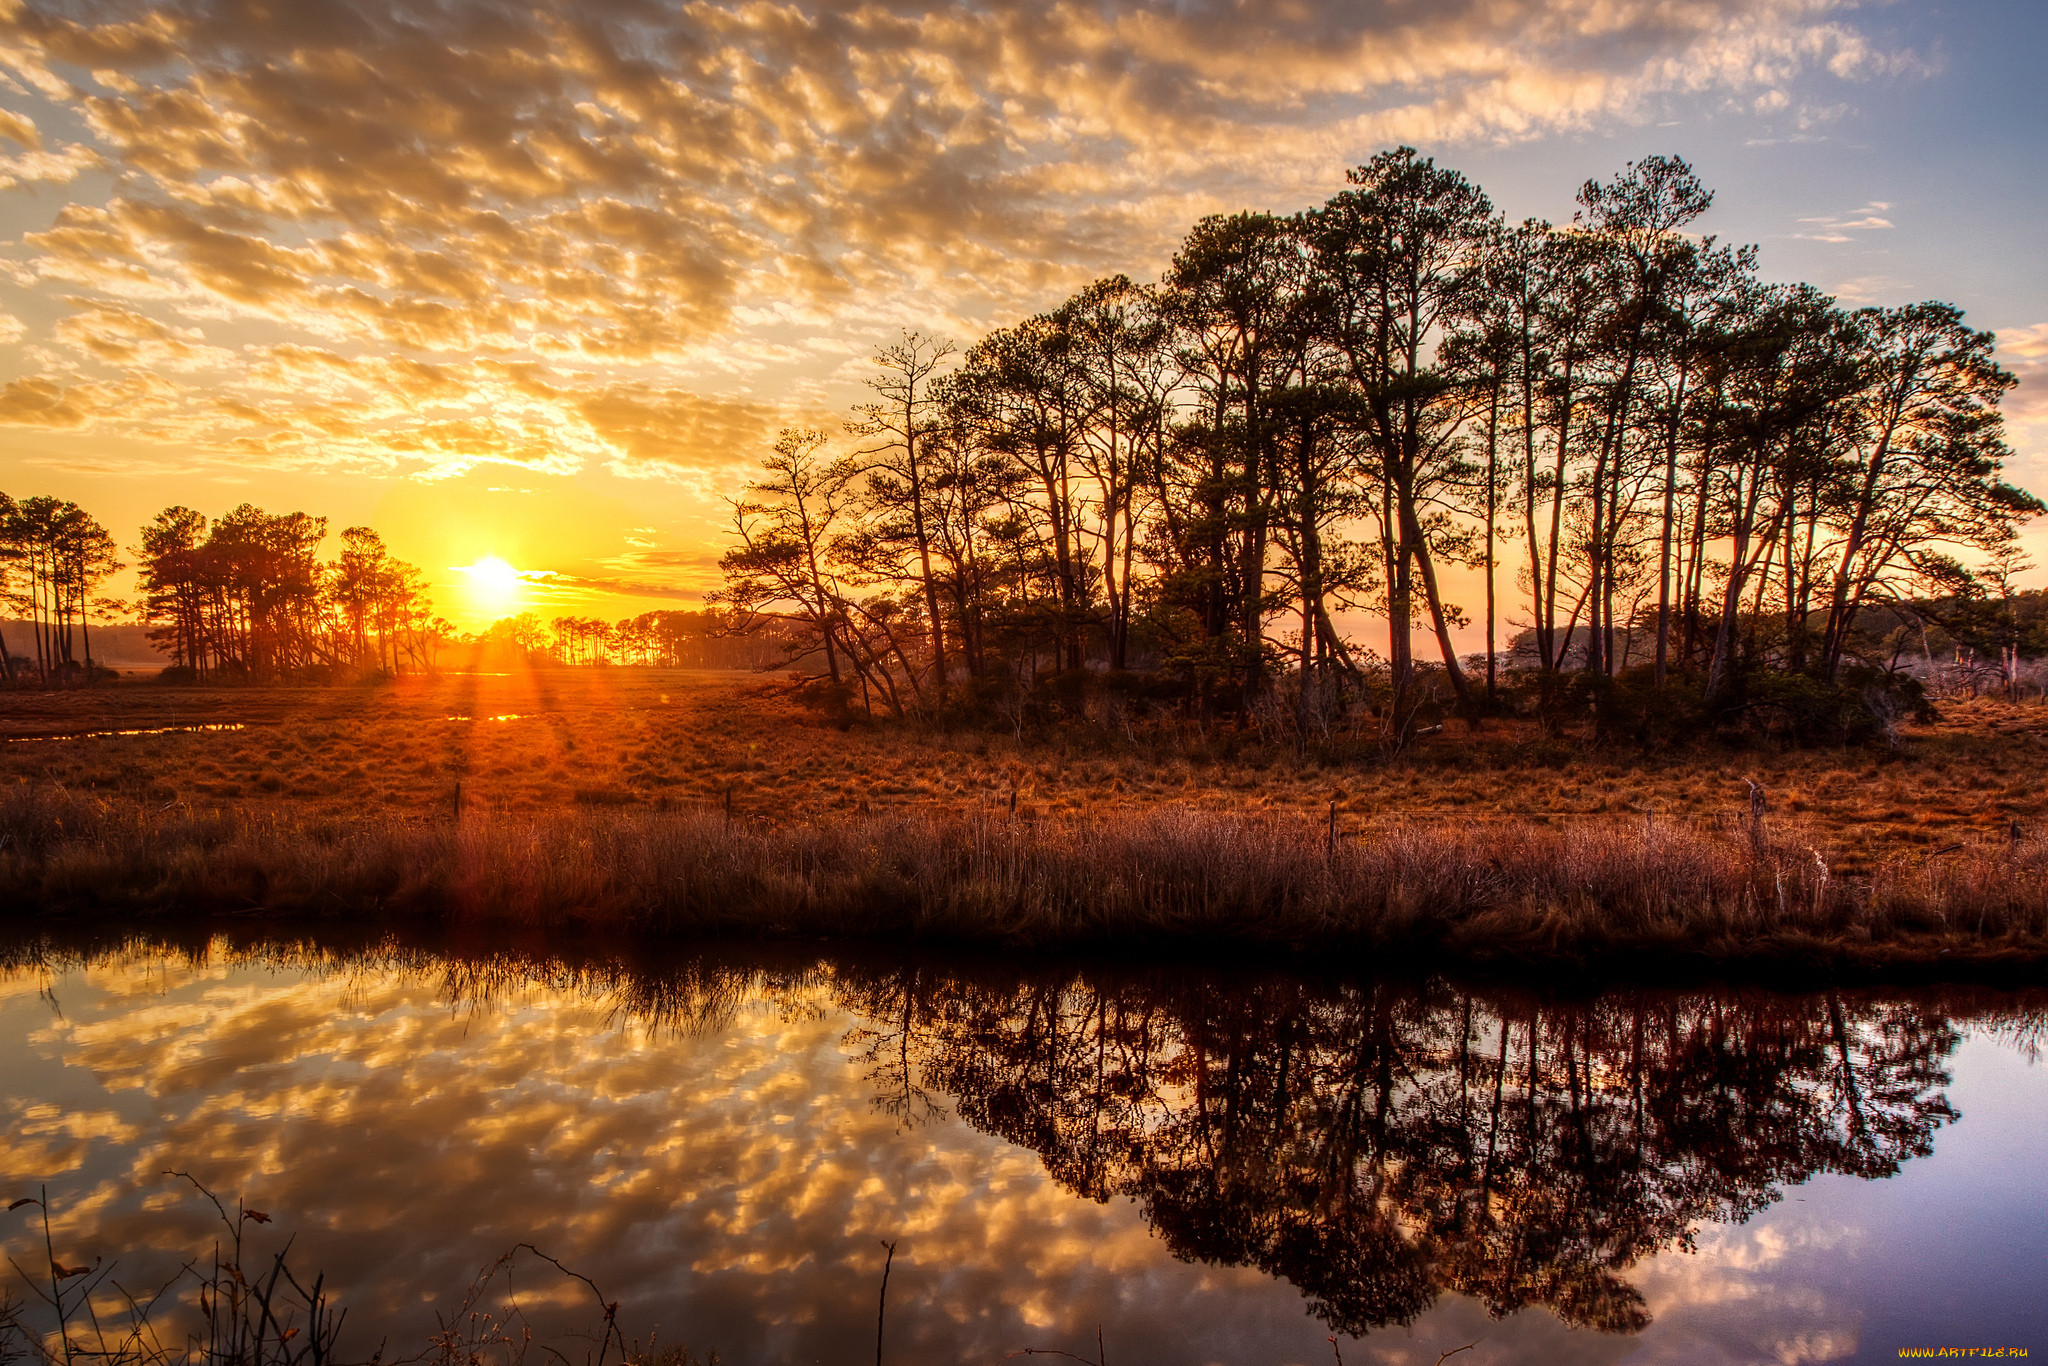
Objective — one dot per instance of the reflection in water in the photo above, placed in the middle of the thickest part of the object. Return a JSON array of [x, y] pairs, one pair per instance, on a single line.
[[149, 730], [1379, 1144], [723, 1139]]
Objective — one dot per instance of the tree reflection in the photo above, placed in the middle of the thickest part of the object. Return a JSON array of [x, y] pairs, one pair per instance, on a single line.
[[1378, 1144], [1375, 1144]]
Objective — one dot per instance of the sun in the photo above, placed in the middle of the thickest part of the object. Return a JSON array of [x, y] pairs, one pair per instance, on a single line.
[[494, 586]]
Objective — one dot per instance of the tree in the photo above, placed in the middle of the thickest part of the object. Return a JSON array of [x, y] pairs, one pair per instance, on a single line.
[[10, 556], [61, 555], [1019, 396], [1116, 338], [172, 580], [1240, 298], [1403, 254], [784, 524], [897, 424], [1788, 374], [1925, 450], [1636, 219]]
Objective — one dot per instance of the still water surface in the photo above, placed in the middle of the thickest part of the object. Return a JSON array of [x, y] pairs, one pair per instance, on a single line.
[[1210, 1166]]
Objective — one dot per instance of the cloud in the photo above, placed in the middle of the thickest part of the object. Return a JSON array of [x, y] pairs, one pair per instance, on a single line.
[[2030, 342], [660, 430], [457, 234], [645, 571], [123, 336], [2024, 351], [40, 402], [20, 129], [632, 588], [54, 168], [1842, 227]]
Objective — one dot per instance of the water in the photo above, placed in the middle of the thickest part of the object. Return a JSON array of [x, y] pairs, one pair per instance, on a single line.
[[1210, 1166], [146, 730]]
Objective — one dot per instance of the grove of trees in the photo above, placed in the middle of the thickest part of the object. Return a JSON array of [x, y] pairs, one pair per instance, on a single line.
[[53, 556], [248, 597], [244, 597], [667, 640], [1656, 462]]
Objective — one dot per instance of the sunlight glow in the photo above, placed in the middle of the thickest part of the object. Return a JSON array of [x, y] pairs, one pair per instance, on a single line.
[[494, 585]]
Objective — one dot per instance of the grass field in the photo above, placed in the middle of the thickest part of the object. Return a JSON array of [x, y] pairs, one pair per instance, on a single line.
[[542, 740], [600, 796]]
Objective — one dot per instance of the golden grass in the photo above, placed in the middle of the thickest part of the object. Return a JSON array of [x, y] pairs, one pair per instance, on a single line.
[[346, 797], [634, 737], [1587, 891]]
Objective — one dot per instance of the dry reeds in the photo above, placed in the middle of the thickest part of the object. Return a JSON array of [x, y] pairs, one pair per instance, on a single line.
[[627, 740], [252, 1309], [1514, 890]]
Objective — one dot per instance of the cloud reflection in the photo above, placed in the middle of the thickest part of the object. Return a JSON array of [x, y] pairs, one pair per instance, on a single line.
[[1181, 1158]]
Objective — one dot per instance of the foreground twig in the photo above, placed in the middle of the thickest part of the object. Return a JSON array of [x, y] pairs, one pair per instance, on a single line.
[[882, 1307]]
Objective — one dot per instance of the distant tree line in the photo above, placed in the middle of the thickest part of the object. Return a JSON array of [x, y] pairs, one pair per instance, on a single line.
[[247, 597], [1696, 474], [665, 640], [52, 558]]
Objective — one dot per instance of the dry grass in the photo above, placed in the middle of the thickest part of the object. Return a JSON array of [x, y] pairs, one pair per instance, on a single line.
[[631, 737], [1587, 891], [603, 796], [251, 1309]]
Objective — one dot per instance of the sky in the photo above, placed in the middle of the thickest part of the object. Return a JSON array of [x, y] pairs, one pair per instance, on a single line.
[[541, 281]]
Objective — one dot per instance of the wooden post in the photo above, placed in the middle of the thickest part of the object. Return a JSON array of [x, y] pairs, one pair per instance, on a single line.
[[728, 806], [458, 800], [1330, 845]]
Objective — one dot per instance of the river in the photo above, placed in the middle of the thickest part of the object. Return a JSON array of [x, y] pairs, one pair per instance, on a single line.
[[1199, 1163]]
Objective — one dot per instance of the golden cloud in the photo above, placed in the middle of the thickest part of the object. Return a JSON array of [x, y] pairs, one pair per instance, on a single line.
[[442, 198], [39, 402]]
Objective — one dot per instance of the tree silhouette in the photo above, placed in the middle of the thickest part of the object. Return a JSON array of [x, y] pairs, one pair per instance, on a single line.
[[1379, 1144]]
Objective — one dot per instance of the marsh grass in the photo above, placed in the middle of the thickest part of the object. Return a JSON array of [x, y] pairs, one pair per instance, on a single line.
[[637, 739], [1589, 889], [237, 1306]]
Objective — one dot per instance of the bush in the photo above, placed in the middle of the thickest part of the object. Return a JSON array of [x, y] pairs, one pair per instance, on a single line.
[[1863, 707]]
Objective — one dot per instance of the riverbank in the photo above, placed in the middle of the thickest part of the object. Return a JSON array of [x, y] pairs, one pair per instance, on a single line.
[[1592, 892]]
